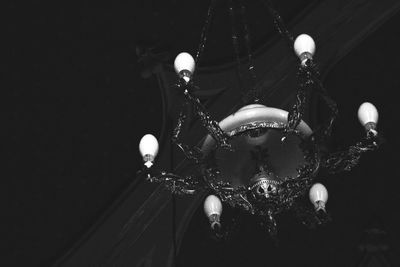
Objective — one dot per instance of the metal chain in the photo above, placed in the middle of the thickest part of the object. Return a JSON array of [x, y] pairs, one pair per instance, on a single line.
[[204, 31], [235, 43]]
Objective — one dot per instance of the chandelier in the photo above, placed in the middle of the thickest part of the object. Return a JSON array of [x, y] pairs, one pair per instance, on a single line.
[[262, 160]]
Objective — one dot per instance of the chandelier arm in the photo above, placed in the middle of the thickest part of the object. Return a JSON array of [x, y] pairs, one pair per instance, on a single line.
[[326, 130], [236, 198], [179, 185], [204, 31], [191, 153], [211, 125], [306, 85], [279, 23], [309, 81], [346, 160]]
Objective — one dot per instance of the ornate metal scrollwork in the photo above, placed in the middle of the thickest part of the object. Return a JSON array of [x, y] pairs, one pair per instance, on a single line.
[[347, 159]]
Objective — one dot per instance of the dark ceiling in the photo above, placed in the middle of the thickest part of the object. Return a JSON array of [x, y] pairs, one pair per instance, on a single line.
[[173, 25], [76, 107]]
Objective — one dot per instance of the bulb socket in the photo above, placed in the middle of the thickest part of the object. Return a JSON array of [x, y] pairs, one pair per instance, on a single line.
[[185, 75], [319, 206], [214, 221], [370, 128], [304, 57], [148, 160]]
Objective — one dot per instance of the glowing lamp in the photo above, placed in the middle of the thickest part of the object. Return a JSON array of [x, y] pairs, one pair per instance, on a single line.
[[213, 210], [184, 66], [368, 116], [318, 196], [304, 47], [148, 148]]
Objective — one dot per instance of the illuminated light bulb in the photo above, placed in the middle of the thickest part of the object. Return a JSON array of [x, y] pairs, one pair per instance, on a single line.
[[304, 47], [213, 210], [318, 196], [368, 117], [184, 66], [148, 148]]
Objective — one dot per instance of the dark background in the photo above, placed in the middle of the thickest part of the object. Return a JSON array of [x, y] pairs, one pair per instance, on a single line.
[[76, 106]]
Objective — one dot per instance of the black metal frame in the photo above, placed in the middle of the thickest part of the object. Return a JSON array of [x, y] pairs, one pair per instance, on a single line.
[[291, 190]]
